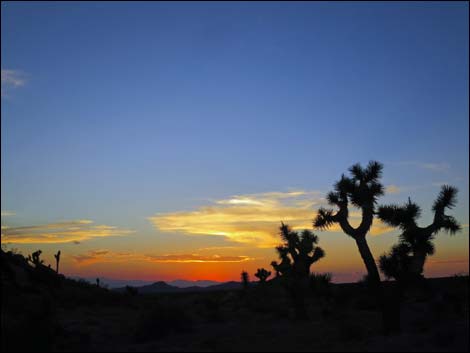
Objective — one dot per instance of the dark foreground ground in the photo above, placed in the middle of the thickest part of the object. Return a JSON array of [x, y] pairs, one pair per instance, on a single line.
[[45, 312]]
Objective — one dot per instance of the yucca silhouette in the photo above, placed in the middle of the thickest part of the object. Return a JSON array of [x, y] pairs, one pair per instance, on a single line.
[[262, 274], [35, 258], [57, 260], [360, 190], [245, 279], [297, 253], [405, 261]]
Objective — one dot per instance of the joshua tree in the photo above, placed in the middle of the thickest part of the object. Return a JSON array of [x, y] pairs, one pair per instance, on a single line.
[[405, 261], [57, 260], [262, 274], [360, 190], [97, 282], [34, 258], [245, 279], [297, 253]]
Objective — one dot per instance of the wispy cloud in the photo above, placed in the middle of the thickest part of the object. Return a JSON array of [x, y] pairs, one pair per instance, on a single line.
[[392, 189], [101, 256], [438, 167], [61, 232], [8, 213], [197, 258], [433, 166], [11, 79], [252, 218]]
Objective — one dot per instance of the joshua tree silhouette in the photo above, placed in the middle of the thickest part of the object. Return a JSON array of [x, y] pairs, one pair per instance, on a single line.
[[57, 260], [405, 261], [34, 258], [262, 274], [245, 279], [361, 190], [297, 253]]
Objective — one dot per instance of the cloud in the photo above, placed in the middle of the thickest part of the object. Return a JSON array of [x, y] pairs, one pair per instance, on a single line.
[[436, 167], [197, 258], [101, 256], [253, 219], [61, 232], [11, 79], [392, 189], [7, 213]]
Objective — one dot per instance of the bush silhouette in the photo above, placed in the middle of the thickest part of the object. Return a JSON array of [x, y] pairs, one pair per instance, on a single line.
[[262, 274], [132, 291], [320, 283], [405, 261]]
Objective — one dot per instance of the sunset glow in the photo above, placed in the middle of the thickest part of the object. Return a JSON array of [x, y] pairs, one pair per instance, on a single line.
[[163, 141]]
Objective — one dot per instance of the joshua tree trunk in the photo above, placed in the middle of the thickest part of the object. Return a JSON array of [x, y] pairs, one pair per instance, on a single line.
[[57, 260], [417, 264], [368, 259], [390, 313]]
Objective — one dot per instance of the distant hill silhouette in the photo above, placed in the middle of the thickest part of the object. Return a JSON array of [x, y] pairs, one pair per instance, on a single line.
[[181, 283], [163, 287], [114, 283]]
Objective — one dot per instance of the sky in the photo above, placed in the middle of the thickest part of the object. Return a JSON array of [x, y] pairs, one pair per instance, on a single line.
[[159, 140]]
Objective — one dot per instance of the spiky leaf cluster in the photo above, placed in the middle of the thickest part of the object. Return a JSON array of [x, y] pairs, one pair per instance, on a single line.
[[262, 274], [361, 189]]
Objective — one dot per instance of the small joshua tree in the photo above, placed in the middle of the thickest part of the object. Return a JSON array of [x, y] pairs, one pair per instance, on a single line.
[[245, 279], [297, 253], [405, 261], [34, 258], [57, 260], [262, 274]]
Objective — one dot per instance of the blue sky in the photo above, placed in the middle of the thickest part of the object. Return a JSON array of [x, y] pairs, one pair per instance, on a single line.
[[127, 109]]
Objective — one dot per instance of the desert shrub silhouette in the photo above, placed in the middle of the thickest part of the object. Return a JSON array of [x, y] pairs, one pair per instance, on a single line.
[[405, 261], [320, 284], [132, 291], [262, 274]]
